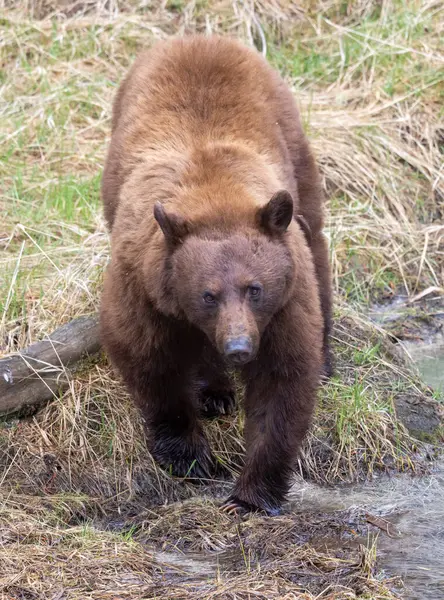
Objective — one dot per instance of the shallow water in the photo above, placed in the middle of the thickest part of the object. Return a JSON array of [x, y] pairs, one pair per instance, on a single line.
[[415, 506], [429, 359], [413, 549], [427, 351]]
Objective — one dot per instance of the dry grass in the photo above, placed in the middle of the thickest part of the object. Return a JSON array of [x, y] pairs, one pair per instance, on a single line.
[[76, 479], [44, 556]]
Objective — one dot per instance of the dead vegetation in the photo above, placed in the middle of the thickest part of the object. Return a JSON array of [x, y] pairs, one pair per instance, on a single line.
[[260, 558], [80, 497]]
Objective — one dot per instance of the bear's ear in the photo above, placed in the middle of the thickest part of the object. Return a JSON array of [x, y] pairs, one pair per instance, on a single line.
[[174, 227], [275, 217]]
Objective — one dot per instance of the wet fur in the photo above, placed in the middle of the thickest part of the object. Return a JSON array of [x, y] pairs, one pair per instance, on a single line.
[[205, 127]]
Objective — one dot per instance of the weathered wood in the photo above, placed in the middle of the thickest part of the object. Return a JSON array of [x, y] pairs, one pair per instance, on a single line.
[[41, 371]]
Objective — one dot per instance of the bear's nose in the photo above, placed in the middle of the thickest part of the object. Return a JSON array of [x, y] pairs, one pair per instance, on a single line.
[[239, 350]]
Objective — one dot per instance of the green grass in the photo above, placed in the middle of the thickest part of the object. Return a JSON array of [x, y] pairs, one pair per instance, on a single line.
[[389, 50], [64, 199], [49, 223]]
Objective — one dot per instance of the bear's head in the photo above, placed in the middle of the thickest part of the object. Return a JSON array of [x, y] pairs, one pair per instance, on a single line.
[[231, 285]]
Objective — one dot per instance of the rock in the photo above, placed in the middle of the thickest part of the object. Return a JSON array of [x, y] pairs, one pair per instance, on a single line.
[[422, 416]]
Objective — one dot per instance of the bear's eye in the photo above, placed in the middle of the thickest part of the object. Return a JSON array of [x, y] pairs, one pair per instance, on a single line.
[[209, 298], [255, 291]]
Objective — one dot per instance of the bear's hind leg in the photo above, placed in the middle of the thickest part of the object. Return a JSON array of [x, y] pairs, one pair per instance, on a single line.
[[319, 248]]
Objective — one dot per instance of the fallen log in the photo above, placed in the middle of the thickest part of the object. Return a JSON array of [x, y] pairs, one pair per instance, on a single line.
[[42, 370]]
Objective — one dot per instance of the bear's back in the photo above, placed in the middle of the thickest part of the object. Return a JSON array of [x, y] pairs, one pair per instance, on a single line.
[[189, 92], [196, 88]]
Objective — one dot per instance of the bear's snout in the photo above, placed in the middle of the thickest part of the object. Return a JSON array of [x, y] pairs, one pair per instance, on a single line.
[[239, 350]]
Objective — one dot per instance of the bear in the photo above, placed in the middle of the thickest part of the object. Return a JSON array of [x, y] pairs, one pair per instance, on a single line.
[[218, 260]]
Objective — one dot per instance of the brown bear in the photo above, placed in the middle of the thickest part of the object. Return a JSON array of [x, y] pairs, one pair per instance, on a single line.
[[214, 203]]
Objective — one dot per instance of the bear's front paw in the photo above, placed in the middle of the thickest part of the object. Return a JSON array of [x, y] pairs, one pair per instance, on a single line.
[[236, 507], [188, 457], [214, 404]]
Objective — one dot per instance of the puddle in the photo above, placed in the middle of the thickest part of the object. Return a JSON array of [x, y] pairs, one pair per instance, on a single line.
[[429, 359], [191, 564], [415, 506], [420, 330], [411, 548]]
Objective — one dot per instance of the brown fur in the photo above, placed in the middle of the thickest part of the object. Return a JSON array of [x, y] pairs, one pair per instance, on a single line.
[[205, 133]]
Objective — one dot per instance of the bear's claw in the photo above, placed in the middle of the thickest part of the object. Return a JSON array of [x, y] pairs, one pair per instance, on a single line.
[[214, 404], [236, 507]]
